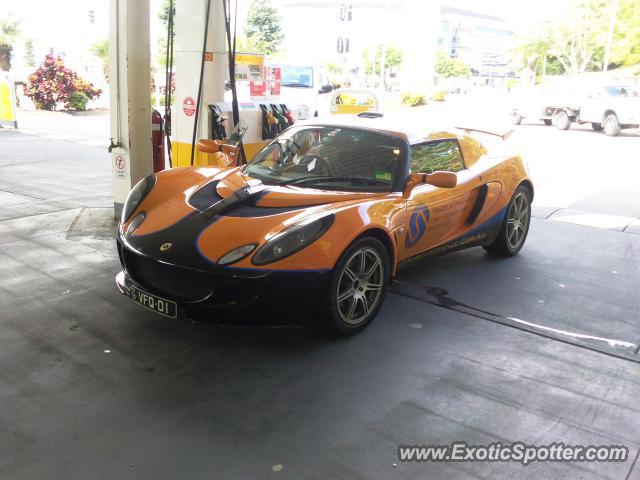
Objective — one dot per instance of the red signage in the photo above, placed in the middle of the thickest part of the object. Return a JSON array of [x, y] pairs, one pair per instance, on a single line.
[[189, 106], [268, 88], [120, 164], [257, 89]]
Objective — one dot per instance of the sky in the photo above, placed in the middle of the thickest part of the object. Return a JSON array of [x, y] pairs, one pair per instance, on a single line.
[[68, 29], [47, 19]]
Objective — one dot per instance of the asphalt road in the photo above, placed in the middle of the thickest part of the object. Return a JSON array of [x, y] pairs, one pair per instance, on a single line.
[[540, 348]]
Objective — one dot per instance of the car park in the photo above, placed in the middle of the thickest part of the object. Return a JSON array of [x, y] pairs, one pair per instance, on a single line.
[[327, 212]]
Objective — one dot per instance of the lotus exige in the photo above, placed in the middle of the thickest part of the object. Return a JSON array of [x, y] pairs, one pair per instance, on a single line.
[[324, 215]]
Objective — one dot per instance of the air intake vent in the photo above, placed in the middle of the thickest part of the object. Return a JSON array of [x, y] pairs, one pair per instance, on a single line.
[[371, 115], [205, 196]]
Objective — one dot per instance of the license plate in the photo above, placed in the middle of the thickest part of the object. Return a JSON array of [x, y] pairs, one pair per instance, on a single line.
[[159, 305]]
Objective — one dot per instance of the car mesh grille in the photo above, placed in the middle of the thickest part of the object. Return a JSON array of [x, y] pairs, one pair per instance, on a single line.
[[174, 282]]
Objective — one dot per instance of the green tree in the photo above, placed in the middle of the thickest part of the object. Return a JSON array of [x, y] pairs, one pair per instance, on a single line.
[[626, 40], [253, 44], [263, 25], [9, 31], [335, 72], [574, 43], [392, 59], [532, 52], [164, 11], [578, 40], [450, 67], [101, 50], [163, 15]]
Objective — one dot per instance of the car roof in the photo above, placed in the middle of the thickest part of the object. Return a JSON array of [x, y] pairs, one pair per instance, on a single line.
[[406, 125]]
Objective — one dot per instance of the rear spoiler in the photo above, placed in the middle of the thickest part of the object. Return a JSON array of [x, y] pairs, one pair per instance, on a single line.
[[503, 135]]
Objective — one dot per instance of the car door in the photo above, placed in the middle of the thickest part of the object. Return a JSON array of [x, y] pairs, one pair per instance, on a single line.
[[592, 109], [437, 215]]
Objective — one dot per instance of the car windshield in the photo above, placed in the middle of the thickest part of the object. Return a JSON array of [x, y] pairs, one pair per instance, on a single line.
[[622, 91], [294, 76], [330, 158]]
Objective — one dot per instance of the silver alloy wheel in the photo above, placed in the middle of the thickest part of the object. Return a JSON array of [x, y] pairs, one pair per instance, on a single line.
[[360, 286], [518, 220]]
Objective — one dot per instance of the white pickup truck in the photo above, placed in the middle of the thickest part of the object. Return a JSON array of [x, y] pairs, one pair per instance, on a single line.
[[610, 108]]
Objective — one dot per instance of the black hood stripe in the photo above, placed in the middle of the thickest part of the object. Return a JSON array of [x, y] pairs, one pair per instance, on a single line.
[[184, 234]]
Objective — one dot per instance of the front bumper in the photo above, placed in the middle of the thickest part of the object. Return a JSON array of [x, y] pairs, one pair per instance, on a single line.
[[205, 294]]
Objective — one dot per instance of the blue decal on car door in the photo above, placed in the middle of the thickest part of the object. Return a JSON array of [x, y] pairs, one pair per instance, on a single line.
[[417, 226]]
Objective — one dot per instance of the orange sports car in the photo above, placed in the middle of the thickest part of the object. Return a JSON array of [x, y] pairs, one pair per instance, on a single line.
[[324, 216]]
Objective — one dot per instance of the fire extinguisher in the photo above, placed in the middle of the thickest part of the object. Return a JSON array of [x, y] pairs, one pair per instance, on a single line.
[[157, 140]]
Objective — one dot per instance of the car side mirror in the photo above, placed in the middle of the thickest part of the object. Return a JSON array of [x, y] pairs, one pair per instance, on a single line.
[[326, 88], [437, 179]]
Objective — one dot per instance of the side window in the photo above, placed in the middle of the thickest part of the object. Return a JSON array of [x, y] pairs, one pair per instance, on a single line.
[[440, 155]]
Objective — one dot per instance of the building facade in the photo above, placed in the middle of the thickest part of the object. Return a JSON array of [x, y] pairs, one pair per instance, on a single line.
[[481, 41]]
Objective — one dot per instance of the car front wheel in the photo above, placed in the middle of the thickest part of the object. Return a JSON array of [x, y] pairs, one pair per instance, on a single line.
[[358, 286], [611, 125]]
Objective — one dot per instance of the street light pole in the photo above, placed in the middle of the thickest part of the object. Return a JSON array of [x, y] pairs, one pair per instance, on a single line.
[[612, 26]]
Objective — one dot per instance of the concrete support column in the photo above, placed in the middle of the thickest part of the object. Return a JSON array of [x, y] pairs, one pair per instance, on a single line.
[[129, 88], [189, 28]]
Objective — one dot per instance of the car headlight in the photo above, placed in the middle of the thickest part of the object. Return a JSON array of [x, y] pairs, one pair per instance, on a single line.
[[237, 254], [292, 240], [136, 195]]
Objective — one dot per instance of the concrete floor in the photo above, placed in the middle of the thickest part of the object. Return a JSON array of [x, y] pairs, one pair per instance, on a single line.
[[93, 386]]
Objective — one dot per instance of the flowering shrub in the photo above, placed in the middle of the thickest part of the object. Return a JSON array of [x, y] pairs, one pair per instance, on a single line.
[[52, 84]]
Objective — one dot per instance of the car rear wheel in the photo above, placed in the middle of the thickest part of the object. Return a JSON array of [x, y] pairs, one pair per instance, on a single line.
[[516, 118], [596, 126], [515, 225], [547, 121], [358, 286], [562, 120], [611, 125]]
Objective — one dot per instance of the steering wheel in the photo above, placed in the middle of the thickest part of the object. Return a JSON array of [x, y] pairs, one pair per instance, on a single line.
[[321, 166]]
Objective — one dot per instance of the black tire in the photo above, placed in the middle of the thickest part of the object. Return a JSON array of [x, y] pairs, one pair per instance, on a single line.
[[596, 126], [547, 121], [611, 125], [504, 243], [516, 118], [562, 120], [358, 304]]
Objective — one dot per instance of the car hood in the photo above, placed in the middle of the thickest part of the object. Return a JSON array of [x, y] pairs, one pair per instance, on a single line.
[[205, 212]]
